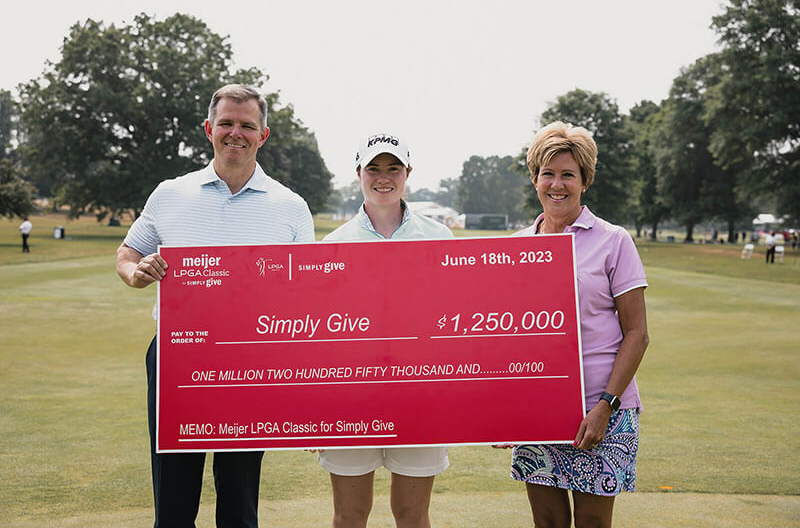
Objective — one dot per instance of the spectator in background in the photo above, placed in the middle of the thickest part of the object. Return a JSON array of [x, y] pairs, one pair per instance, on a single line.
[[771, 241], [25, 229]]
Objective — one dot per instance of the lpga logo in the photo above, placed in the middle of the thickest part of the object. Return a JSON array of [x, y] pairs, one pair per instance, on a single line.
[[265, 265]]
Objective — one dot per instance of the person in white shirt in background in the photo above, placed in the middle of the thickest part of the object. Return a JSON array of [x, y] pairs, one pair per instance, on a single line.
[[771, 241], [25, 229]]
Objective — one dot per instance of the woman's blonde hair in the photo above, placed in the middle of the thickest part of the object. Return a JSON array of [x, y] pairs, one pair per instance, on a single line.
[[560, 137]]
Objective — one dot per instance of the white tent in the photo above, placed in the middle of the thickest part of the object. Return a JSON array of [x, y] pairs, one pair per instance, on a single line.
[[446, 215], [766, 220]]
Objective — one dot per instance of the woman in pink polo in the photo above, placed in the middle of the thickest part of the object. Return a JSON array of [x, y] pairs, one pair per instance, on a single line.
[[611, 282]]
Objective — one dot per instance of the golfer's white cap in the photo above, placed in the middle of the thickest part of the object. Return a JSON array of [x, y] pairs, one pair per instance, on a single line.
[[376, 144]]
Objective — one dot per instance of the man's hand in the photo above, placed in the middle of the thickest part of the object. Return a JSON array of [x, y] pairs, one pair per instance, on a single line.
[[137, 271]]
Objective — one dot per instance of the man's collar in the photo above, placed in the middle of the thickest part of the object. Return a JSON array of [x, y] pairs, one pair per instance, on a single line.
[[258, 180]]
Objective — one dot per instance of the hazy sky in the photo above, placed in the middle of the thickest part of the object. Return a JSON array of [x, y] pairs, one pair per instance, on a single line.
[[453, 78]]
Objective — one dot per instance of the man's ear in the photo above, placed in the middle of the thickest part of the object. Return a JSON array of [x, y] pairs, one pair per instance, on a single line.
[[264, 135]]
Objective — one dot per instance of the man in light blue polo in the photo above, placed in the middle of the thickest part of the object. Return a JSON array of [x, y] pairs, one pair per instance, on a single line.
[[230, 201]]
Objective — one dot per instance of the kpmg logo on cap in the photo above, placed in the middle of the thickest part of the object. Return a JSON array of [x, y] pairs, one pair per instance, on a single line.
[[373, 145], [382, 138]]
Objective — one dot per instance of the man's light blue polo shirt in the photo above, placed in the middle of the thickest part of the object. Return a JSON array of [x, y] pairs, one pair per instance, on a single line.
[[198, 209], [412, 226]]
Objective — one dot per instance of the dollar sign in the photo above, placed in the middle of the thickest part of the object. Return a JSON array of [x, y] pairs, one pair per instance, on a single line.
[[442, 321]]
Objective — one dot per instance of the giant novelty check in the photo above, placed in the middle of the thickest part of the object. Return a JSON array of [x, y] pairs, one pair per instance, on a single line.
[[326, 345]]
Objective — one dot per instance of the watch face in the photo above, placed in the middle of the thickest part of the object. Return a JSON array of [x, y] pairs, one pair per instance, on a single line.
[[612, 400]]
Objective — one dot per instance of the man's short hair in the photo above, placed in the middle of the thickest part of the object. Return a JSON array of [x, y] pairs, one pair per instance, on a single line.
[[240, 93]]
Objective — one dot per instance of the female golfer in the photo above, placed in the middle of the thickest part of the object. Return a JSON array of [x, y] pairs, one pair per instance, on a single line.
[[611, 282], [382, 166]]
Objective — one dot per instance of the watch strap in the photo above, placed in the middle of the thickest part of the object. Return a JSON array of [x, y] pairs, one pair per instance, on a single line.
[[612, 400]]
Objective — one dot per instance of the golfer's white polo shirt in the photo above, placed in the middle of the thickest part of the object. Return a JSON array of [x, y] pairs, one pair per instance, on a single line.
[[412, 226], [408, 461]]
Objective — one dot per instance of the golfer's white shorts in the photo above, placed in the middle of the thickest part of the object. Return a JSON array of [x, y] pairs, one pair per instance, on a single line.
[[406, 461]]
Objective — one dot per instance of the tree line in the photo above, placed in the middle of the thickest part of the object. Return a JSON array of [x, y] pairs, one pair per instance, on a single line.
[[723, 145], [123, 109]]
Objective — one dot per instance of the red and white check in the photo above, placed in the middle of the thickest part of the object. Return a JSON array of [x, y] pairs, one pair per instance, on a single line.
[[461, 341]]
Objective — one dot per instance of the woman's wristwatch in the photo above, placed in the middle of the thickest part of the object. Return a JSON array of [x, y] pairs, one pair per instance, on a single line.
[[612, 400]]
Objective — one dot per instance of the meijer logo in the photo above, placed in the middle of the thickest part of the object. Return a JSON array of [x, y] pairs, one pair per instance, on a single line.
[[203, 261]]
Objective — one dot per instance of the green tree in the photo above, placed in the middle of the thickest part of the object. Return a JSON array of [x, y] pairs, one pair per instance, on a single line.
[[647, 206], [123, 110], [349, 198], [444, 195], [690, 183], [420, 195], [447, 192], [609, 194], [291, 156], [755, 107], [491, 185], [16, 194], [8, 118]]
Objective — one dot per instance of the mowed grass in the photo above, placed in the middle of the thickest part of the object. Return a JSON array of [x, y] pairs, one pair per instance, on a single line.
[[720, 386]]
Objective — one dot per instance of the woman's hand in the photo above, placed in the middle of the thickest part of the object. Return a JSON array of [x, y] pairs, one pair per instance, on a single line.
[[593, 427]]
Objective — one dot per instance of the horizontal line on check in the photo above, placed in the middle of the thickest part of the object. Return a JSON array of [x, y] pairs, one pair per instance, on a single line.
[[221, 386], [499, 335], [315, 340], [284, 438]]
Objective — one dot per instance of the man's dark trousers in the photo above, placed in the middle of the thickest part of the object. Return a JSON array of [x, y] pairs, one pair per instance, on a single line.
[[178, 477]]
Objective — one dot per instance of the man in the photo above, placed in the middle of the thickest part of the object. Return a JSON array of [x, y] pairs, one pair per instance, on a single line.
[[25, 228], [771, 241], [230, 201]]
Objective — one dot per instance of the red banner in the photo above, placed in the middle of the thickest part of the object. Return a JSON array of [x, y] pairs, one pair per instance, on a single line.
[[460, 341]]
